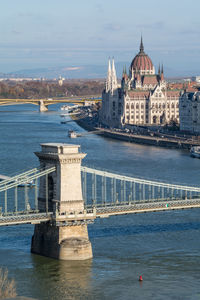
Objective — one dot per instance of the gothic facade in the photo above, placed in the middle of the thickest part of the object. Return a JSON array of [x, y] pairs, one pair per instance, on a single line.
[[142, 98]]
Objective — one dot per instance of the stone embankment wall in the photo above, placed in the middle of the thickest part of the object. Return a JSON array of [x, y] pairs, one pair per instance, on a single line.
[[140, 139]]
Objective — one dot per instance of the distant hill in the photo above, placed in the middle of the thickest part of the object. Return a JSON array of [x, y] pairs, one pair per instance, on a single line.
[[87, 72], [69, 72]]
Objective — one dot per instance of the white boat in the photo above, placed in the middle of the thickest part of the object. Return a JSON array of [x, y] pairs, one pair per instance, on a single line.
[[72, 134], [69, 108], [195, 151], [65, 107]]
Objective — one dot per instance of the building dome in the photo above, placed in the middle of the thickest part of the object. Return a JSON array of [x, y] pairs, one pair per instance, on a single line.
[[142, 62]]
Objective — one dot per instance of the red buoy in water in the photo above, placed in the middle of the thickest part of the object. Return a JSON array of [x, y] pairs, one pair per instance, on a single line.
[[140, 278]]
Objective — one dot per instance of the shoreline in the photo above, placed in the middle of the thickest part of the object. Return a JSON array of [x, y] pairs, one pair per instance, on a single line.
[[178, 143]]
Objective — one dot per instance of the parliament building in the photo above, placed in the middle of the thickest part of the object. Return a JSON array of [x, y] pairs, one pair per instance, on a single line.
[[142, 98]]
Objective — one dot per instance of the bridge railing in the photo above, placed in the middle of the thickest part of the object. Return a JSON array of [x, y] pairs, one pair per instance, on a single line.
[[19, 194], [102, 188]]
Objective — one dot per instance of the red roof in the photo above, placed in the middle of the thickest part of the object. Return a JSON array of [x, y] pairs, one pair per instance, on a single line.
[[173, 93], [150, 80], [141, 62], [138, 94], [192, 89]]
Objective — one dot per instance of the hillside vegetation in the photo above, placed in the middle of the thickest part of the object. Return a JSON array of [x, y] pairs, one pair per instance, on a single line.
[[49, 89]]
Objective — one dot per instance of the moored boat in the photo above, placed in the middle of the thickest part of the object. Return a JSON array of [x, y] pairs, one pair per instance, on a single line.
[[195, 151], [72, 134]]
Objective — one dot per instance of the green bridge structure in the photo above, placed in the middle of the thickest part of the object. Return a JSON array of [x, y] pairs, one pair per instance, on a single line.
[[61, 197], [44, 103]]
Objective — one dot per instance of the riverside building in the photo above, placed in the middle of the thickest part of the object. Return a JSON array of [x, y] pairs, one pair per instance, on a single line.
[[190, 112], [142, 98]]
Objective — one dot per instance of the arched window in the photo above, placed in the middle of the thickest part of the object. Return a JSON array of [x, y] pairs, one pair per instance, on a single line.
[[137, 106], [163, 105], [132, 106], [172, 105], [154, 119], [127, 106]]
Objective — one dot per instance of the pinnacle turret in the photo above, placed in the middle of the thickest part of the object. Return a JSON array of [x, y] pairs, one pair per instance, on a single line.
[[159, 70], [111, 81], [108, 79], [141, 46]]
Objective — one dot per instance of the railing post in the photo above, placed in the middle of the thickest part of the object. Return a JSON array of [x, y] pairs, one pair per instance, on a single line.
[[36, 195], [134, 193], [124, 191], [16, 200], [26, 196], [6, 204], [46, 193]]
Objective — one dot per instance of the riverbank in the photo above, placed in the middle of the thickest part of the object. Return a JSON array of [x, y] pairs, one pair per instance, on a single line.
[[161, 141]]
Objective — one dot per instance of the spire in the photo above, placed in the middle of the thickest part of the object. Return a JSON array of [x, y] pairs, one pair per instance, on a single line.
[[109, 75], [125, 70], [111, 80], [159, 70], [113, 76], [113, 68], [162, 70], [141, 45], [123, 73], [109, 68], [162, 74]]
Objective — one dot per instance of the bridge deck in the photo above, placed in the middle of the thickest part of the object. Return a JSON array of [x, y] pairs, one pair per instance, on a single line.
[[101, 211], [113, 210], [31, 218]]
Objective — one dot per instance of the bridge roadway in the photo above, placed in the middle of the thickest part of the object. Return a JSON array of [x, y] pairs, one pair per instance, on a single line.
[[47, 102], [101, 211]]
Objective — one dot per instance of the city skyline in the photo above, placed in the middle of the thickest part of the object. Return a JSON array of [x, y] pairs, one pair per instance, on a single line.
[[53, 34]]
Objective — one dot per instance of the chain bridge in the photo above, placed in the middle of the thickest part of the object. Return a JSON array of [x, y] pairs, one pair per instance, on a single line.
[[105, 194], [64, 194]]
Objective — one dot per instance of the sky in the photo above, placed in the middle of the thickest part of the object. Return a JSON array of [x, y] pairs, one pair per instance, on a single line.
[[70, 34]]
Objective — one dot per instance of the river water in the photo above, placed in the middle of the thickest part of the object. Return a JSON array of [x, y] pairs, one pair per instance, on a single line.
[[163, 247]]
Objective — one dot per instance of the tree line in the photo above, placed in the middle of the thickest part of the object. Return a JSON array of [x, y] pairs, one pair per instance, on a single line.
[[49, 89]]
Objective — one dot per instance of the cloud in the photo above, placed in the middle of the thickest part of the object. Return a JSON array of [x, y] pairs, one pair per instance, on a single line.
[[25, 14], [112, 27], [189, 32], [72, 68], [99, 8], [15, 32], [155, 26]]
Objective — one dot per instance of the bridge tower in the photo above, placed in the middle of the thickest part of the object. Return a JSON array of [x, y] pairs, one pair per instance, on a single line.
[[65, 236]]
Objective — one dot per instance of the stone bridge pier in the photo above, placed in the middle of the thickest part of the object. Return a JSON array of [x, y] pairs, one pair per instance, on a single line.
[[42, 106], [65, 236]]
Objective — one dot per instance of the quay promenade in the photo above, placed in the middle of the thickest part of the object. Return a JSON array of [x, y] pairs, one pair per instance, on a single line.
[[161, 140]]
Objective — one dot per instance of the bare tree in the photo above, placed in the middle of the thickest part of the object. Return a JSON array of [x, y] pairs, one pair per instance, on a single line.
[[7, 286]]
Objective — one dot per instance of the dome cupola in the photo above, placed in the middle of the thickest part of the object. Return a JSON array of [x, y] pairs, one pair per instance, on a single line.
[[142, 63]]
